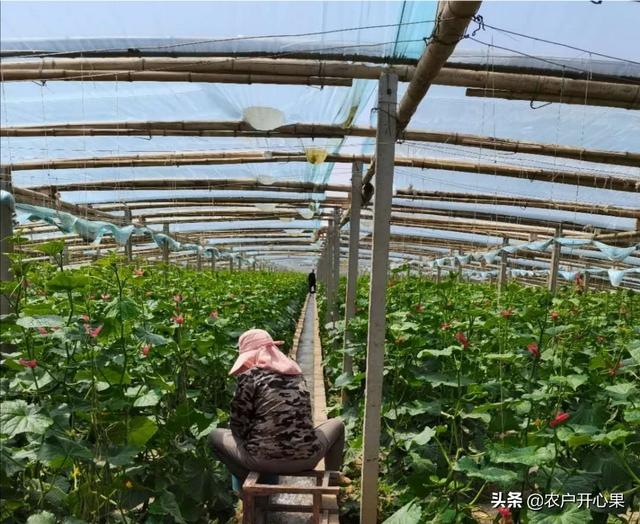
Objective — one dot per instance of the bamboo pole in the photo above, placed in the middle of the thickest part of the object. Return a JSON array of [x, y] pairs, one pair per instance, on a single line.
[[522, 202], [300, 130], [165, 246], [586, 100], [6, 233], [13, 75], [502, 274], [196, 183], [452, 21], [580, 178], [128, 249], [555, 263]]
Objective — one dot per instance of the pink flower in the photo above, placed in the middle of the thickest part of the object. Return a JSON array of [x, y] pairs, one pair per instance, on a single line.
[[105, 296], [214, 314], [43, 331], [138, 273], [534, 349], [28, 363], [178, 298], [145, 350], [462, 339], [92, 332], [555, 315], [506, 313], [178, 319], [85, 318], [560, 418]]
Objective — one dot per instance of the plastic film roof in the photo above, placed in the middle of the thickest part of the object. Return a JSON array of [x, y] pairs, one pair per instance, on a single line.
[[509, 34]]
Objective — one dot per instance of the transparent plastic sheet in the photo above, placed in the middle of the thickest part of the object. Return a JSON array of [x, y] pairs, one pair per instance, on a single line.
[[351, 27]]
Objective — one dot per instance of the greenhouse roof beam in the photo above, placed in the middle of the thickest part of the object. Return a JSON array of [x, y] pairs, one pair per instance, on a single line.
[[301, 130], [580, 178]]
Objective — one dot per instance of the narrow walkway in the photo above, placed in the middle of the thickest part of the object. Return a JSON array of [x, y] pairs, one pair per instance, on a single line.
[[307, 351]]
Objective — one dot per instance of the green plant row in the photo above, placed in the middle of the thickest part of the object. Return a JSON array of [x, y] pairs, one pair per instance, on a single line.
[[484, 395], [113, 375]]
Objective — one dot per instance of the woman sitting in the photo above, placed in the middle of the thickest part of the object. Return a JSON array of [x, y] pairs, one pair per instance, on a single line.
[[271, 425]]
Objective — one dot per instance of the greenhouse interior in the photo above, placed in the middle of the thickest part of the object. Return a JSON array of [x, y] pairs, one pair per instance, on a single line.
[[319, 262]]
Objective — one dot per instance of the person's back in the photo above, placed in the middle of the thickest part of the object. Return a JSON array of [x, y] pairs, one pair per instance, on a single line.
[[312, 281], [272, 415]]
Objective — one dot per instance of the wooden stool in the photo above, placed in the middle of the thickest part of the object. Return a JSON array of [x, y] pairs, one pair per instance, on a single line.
[[257, 497]]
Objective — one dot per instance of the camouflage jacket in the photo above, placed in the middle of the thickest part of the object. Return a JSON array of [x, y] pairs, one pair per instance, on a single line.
[[271, 414]]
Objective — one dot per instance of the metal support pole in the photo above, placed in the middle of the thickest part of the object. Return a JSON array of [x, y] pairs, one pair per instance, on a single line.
[[199, 261], [253, 266], [502, 274], [552, 283], [128, 247], [165, 246], [352, 266], [438, 273], [213, 262], [231, 264], [6, 232], [384, 158]]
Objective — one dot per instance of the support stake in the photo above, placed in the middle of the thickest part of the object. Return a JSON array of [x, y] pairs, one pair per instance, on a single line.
[[384, 158]]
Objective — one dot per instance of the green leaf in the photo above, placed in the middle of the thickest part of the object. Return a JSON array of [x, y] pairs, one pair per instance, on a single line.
[[46, 321], [423, 437], [67, 281], [124, 308], [529, 456], [446, 352], [621, 391], [57, 452], [16, 417], [150, 338], [632, 416], [44, 517], [54, 247], [569, 515], [166, 504], [437, 379], [573, 381], [489, 473], [141, 429], [144, 396], [408, 514]]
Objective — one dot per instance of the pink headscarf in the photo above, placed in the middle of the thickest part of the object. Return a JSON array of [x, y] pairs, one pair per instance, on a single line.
[[259, 350]]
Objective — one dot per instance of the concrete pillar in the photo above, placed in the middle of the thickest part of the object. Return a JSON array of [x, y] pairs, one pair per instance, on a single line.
[[352, 265], [384, 157]]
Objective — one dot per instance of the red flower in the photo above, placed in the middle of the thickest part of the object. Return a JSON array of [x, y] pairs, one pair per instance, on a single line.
[[555, 315], [178, 319], [85, 318], [444, 326], [92, 332], [560, 418], [145, 350], [534, 349], [138, 273], [214, 314], [506, 313], [462, 339], [28, 363], [178, 298], [505, 515], [43, 331], [105, 296]]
